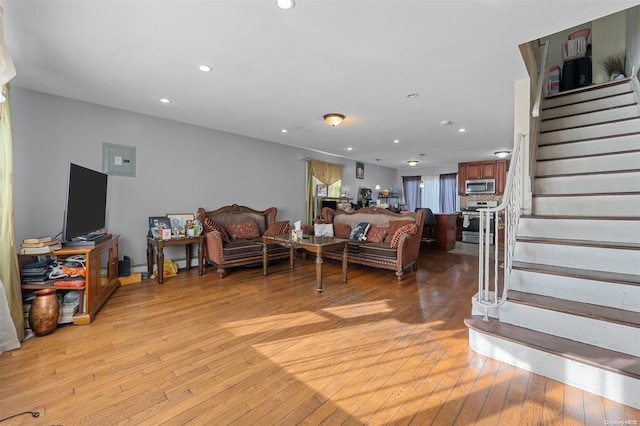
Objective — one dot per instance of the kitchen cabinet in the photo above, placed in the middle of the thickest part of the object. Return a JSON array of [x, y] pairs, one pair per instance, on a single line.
[[482, 170]]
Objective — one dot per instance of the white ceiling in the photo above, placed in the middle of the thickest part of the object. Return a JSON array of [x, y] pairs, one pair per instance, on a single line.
[[275, 69]]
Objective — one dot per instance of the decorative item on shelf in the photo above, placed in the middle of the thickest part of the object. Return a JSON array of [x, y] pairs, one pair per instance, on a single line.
[[614, 65], [178, 223], [44, 312], [158, 225]]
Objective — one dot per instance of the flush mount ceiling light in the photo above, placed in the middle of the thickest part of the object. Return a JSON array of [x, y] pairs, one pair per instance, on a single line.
[[501, 154], [333, 119], [413, 163], [285, 4]]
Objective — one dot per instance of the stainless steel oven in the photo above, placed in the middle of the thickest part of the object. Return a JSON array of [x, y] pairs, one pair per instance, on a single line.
[[471, 221]]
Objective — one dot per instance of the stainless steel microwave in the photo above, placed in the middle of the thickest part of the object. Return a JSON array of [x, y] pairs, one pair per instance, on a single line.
[[480, 186]]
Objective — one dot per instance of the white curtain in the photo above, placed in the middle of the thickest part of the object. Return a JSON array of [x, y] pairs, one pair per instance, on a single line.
[[431, 193]]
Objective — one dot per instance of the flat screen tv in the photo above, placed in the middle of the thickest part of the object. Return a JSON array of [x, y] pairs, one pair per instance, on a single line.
[[86, 208]]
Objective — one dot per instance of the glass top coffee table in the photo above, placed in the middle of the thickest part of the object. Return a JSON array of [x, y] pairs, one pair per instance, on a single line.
[[317, 245]]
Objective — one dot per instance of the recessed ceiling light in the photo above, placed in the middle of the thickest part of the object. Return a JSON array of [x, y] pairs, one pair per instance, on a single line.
[[412, 95], [462, 130], [446, 123], [204, 68], [284, 130], [165, 100], [349, 149], [285, 4], [396, 141]]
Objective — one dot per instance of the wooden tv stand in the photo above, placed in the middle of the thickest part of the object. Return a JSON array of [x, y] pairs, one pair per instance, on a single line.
[[101, 276]]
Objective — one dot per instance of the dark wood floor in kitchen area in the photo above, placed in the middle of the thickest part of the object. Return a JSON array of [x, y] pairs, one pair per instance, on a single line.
[[250, 349]]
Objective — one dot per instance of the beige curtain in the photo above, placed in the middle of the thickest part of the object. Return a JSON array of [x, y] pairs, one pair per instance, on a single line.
[[327, 173], [9, 272]]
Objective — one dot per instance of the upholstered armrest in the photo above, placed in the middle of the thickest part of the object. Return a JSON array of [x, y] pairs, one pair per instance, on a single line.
[[408, 247], [214, 247]]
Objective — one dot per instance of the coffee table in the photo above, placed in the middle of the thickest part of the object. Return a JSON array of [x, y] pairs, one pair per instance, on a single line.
[[317, 245]]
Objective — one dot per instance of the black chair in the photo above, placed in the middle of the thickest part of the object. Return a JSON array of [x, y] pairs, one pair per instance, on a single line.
[[429, 229]]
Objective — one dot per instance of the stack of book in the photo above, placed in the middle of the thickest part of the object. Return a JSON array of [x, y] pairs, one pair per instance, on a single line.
[[36, 273], [40, 245]]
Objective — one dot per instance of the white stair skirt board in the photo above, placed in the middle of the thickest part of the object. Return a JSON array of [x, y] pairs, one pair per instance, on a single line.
[[588, 183], [590, 132], [571, 256], [610, 385], [588, 106], [613, 295], [600, 163], [589, 118], [589, 205], [621, 231], [605, 334], [590, 147]]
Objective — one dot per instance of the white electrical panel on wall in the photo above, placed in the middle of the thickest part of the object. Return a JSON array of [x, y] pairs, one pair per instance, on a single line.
[[118, 160]]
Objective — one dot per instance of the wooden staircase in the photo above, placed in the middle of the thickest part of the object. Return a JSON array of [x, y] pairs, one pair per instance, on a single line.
[[573, 308]]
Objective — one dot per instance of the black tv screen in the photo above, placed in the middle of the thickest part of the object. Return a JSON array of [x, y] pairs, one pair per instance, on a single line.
[[86, 202]]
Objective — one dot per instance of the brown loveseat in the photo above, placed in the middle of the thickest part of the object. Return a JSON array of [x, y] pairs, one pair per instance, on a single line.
[[234, 235], [392, 253]]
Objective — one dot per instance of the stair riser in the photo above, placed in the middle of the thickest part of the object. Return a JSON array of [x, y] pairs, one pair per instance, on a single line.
[[604, 334], [585, 184], [614, 295], [627, 205], [590, 132], [604, 116], [557, 101], [592, 147], [610, 385], [601, 163], [589, 258], [622, 231], [585, 107]]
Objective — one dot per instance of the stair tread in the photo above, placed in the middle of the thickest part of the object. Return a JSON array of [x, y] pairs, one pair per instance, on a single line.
[[613, 277], [591, 124], [570, 217], [587, 310], [617, 362], [592, 173], [582, 243]]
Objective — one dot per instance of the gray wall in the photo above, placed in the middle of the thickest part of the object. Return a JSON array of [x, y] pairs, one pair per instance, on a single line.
[[180, 167]]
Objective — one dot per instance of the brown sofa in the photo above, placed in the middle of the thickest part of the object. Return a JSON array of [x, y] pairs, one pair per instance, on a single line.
[[223, 250], [378, 254]]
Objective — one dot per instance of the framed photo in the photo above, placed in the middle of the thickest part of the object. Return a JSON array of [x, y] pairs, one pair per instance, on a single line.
[[359, 170], [322, 190], [179, 223], [156, 226]]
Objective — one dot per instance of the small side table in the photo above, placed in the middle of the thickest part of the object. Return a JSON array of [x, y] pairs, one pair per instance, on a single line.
[[183, 241]]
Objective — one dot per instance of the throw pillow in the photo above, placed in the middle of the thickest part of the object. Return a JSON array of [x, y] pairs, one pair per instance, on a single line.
[[341, 230], [376, 234], [407, 229], [277, 228], [394, 225], [323, 230], [359, 231], [244, 230], [211, 225]]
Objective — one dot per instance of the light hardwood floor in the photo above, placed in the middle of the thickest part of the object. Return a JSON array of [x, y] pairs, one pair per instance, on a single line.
[[250, 349]]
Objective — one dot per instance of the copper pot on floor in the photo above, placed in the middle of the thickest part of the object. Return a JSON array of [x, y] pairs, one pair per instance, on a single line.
[[44, 312]]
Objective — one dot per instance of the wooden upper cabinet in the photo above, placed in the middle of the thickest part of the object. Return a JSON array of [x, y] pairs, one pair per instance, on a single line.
[[501, 176], [482, 170]]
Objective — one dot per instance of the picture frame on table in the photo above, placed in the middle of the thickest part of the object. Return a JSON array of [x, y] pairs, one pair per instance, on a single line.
[[178, 222], [359, 170], [158, 227], [322, 190]]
